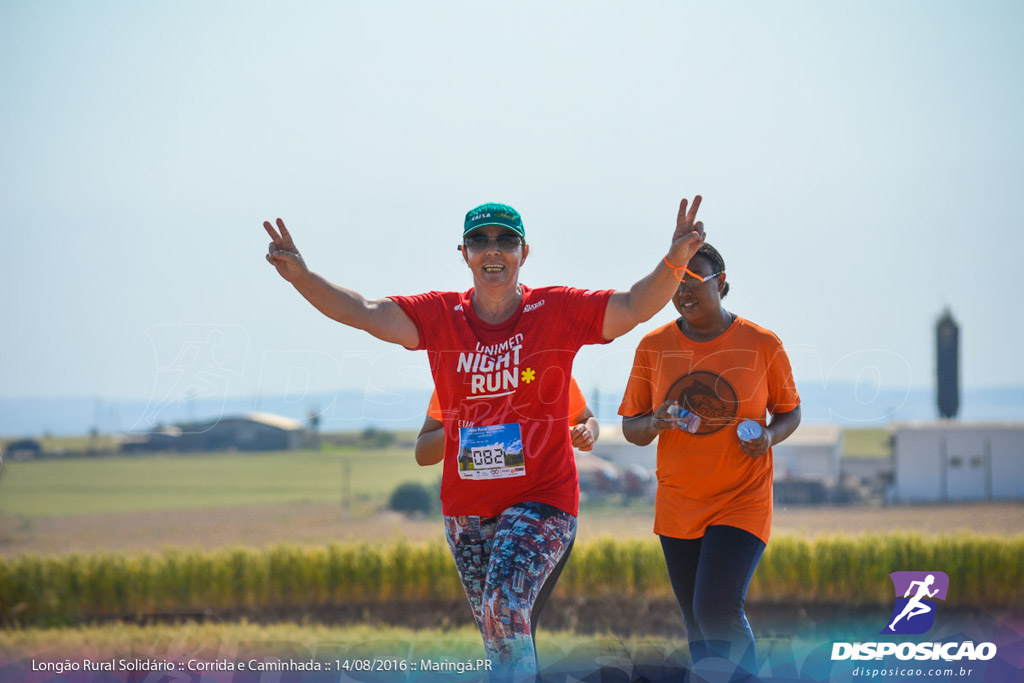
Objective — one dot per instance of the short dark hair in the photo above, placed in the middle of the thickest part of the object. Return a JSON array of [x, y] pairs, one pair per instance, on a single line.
[[716, 261]]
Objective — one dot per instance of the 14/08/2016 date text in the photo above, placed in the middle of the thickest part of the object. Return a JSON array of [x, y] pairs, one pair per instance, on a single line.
[[467, 666]]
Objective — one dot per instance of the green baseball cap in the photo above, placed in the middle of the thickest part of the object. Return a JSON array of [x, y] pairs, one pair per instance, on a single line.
[[494, 214]]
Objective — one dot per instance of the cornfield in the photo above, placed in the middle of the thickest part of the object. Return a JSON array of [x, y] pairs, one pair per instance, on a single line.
[[51, 591]]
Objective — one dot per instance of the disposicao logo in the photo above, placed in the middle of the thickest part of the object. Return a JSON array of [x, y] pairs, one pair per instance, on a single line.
[[913, 614], [916, 593]]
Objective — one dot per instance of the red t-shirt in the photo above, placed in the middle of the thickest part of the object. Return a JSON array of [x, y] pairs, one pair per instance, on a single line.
[[512, 373], [577, 403]]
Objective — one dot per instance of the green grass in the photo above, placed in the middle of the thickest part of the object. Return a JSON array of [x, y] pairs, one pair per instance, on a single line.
[[57, 488], [173, 641], [243, 641], [866, 442], [103, 443], [67, 487]]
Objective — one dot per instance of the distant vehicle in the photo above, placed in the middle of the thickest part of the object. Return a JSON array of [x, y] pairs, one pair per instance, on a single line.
[[24, 449]]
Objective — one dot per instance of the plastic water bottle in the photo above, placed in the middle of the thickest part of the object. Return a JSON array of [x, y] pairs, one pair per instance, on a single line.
[[684, 419]]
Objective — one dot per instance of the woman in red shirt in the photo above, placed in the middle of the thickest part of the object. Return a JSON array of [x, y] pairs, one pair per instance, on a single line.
[[501, 355]]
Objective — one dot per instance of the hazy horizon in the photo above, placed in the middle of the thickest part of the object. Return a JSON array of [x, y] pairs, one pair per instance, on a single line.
[[404, 409]]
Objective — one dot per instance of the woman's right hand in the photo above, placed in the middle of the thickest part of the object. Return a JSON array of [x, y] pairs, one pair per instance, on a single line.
[[645, 428], [283, 254], [581, 437], [661, 420]]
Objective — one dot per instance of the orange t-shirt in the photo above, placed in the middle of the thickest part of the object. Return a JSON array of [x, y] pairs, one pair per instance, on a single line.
[[577, 404], [704, 478]]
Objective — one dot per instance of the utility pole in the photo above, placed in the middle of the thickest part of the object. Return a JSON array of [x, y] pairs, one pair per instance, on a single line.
[[346, 489]]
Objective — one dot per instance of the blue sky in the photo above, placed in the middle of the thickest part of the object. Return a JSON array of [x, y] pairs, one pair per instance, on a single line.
[[861, 166]]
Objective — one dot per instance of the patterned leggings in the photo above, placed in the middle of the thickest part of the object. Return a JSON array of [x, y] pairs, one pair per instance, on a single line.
[[508, 566]]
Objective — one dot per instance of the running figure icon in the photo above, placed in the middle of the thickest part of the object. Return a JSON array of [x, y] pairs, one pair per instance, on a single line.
[[915, 606]]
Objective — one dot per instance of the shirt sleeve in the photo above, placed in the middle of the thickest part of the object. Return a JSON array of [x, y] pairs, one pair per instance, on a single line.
[[638, 399], [434, 407], [583, 315], [782, 394], [577, 403], [421, 309]]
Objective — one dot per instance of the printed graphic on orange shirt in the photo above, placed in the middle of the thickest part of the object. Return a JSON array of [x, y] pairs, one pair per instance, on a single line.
[[708, 395]]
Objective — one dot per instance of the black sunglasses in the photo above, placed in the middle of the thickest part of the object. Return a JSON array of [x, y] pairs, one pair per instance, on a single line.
[[506, 241]]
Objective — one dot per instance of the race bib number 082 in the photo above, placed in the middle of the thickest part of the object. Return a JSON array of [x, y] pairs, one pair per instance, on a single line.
[[491, 452]]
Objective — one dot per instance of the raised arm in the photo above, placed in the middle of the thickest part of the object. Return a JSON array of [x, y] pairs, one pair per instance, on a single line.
[[649, 295], [382, 318]]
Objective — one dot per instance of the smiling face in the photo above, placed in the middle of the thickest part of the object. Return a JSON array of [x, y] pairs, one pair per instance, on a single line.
[[695, 300], [492, 266]]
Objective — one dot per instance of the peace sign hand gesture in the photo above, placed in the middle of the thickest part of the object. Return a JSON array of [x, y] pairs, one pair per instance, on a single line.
[[689, 233], [283, 254]]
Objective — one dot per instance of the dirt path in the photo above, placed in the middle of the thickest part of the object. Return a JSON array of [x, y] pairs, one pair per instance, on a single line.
[[316, 524]]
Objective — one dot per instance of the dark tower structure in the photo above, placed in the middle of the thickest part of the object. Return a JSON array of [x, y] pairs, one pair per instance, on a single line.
[[947, 365]]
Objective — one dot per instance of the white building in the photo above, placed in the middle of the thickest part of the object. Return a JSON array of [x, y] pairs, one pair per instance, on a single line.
[[813, 451], [957, 461], [612, 446]]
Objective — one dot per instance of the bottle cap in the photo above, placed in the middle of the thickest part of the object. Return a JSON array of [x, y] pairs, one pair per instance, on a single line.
[[748, 430]]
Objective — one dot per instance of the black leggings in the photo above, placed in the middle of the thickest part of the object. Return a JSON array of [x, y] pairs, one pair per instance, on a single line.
[[709, 577]]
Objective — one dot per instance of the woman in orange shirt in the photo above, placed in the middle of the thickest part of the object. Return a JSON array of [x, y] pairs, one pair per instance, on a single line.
[[713, 507]]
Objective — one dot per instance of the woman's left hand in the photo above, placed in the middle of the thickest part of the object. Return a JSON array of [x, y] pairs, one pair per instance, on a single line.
[[758, 447], [689, 233], [581, 437]]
